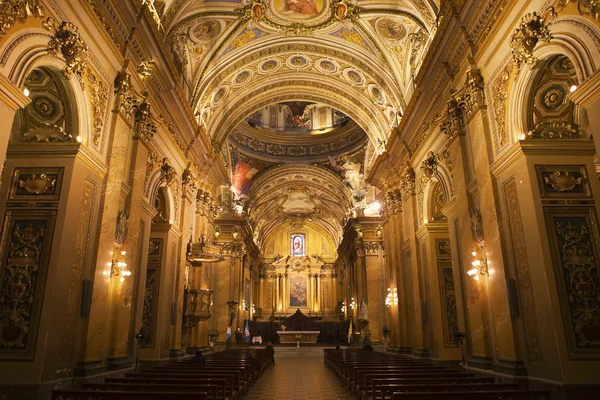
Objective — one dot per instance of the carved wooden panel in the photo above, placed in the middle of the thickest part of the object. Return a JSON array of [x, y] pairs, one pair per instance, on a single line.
[[574, 241], [25, 246]]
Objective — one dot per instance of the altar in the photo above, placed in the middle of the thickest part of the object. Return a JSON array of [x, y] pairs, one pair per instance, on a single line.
[[298, 336]]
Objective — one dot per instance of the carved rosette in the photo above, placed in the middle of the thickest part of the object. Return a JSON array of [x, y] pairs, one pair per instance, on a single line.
[[453, 125], [68, 43], [407, 180], [144, 128], [18, 10], [532, 29]]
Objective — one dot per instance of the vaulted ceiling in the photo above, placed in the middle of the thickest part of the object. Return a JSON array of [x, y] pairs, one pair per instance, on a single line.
[[357, 57]]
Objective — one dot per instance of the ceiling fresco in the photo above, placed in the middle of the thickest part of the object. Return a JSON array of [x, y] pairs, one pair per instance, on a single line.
[[282, 84]]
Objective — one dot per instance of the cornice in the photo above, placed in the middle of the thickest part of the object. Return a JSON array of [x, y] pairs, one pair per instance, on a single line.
[[588, 91]]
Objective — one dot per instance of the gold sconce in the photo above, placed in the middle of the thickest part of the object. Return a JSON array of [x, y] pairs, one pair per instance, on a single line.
[[480, 267], [379, 231], [216, 232], [235, 233], [119, 267]]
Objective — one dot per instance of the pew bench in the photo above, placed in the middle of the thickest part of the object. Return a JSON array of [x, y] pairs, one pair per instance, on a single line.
[[116, 395], [475, 395], [212, 391]]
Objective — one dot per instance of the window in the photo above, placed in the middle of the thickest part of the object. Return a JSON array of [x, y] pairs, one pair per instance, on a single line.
[[297, 244]]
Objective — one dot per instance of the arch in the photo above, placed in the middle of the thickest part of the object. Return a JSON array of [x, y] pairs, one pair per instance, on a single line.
[[155, 186], [25, 52], [573, 37]]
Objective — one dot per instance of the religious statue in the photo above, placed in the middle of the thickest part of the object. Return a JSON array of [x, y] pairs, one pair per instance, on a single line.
[[363, 310]]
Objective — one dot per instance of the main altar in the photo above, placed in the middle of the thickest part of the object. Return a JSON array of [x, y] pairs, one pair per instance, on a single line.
[[298, 336]]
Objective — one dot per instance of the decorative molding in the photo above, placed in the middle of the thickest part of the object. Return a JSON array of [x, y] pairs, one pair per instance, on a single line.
[[144, 128], [590, 8], [521, 271], [553, 129], [452, 124], [36, 184], [98, 91], [407, 180], [18, 10]]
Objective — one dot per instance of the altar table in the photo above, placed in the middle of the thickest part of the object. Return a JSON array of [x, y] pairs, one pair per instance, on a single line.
[[298, 336]]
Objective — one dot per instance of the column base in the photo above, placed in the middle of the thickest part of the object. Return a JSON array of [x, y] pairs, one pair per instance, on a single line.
[[117, 364], [176, 353], [510, 367], [480, 362], [89, 368], [421, 353]]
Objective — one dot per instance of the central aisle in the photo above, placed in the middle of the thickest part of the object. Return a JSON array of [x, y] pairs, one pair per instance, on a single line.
[[298, 376]]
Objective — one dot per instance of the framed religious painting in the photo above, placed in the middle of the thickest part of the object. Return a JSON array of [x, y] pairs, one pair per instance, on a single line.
[[297, 244]]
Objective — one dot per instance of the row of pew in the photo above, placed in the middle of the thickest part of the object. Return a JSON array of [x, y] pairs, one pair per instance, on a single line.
[[369, 375], [227, 375]]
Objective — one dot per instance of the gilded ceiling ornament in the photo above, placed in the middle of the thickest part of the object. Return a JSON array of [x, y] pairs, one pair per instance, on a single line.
[[18, 10], [407, 180], [452, 124], [563, 181], [532, 29], [586, 7], [70, 45], [144, 128], [555, 130], [312, 18], [430, 164]]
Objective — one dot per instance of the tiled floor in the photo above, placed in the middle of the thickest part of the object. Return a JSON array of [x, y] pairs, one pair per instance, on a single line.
[[298, 378]]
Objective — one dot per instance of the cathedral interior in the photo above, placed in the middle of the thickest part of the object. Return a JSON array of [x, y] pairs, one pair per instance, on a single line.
[[421, 174]]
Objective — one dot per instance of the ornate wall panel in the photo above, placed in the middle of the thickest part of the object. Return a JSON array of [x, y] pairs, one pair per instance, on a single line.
[[572, 226], [25, 246], [35, 184], [151, 301], [520, 270], [447, 291], [574, 238]]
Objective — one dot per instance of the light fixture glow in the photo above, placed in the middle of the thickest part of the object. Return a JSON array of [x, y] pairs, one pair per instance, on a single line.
[[476, 277], [476, 263], [79, 139], [522, 136], [26, 92], [573, 88], [377, 206], [473, 253]]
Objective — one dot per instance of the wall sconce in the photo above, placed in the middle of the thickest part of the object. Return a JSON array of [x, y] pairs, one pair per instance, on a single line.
[[343, 309], [392, 297], [216, 232], [379, 231], [119, 267], [253, 309], [479, 267], [352, 304], [244, 306], [235, 233]]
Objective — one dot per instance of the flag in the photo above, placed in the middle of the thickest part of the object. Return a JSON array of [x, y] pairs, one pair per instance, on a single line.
[[228, 334], [350, 331], [247, 333]]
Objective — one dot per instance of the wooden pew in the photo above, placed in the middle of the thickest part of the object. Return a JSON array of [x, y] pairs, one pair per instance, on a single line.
[[389, 389], [212, 391], [475, 395], [230, 389], [236, 376], [375, 384], [115, 395]]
